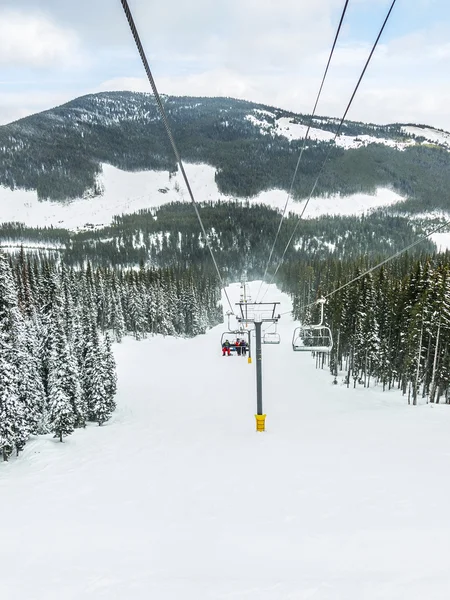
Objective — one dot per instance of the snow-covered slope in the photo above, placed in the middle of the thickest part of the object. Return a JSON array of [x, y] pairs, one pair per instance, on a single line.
[[268, 124], [431, 135], [296, 131], [442, 240], [126, 192], [178, 497]]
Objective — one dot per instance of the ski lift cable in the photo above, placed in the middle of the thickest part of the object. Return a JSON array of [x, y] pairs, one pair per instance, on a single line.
[[143, 56], [303, 145], [333, 140], [377, 266]]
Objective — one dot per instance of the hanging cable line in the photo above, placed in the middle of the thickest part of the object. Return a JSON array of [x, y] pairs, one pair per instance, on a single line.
[[333, 140], [304, 144], [377, 266], [143, 56]]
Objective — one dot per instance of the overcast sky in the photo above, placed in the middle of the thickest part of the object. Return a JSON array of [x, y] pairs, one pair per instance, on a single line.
[[270, 51]]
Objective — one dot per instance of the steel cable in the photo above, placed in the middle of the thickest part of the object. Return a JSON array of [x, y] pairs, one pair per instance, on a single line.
[[377, 266], [143, 56], [333, 140], [304, 144]]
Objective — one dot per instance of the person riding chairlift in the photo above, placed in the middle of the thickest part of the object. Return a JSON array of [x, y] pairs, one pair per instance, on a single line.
[[238, 346], [226, 348]]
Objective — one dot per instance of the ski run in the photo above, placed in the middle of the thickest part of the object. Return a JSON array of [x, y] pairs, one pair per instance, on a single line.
[[177, 496]]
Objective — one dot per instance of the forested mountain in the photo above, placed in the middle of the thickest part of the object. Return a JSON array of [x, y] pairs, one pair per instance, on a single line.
[[253, 147], [241, 237]]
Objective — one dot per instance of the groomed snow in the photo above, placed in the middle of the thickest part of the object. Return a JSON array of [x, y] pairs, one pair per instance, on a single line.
[[442, 240], [432, 135], [286, 127], [343, 497], [127, 192], [356, 204], [297, 131]]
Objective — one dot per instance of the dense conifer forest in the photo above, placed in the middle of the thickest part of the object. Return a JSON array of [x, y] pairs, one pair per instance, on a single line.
[[241, 236], [57, 371], [391, 327]]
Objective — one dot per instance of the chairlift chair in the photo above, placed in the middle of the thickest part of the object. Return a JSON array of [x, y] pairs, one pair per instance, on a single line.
[[271, 337], [232, 336], [313, 338]]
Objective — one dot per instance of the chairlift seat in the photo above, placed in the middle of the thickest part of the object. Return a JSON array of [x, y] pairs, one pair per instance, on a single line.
[[312, 338], [271, 338], [232, 336]]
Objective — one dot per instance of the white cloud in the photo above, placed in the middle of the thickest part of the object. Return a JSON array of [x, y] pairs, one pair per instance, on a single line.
[[34, 40], [268, 51], [14, 106], [376, 101]]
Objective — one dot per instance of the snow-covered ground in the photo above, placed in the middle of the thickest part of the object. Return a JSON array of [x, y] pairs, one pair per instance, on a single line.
[[442, 240], [431, 135], [127, 192], [268, 124], [342, 498], [297, 131]]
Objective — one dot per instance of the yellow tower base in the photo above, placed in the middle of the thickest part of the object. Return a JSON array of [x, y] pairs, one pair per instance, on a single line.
[[249, 360], [260, 422]]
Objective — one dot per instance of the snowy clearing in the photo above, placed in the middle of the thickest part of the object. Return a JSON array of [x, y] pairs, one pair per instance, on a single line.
[[178, 496], [127, 192], [431, 135], [297, 131], [442, 241], [287, 127]]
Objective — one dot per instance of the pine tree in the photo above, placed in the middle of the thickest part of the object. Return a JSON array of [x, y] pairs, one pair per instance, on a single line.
[[109, 370], [62, 416], [13, 425], [30, 384], [11, 413]]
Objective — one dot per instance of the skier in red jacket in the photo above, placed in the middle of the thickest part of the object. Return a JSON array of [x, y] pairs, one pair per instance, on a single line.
[[226, 349]]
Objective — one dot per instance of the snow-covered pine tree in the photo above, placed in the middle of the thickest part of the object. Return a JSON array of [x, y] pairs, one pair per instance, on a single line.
[[13, 425], [117, 319], [12, 421], [109, 370], [59, 323], [62, 415], [103, 383], [30, 384], [136, 308]]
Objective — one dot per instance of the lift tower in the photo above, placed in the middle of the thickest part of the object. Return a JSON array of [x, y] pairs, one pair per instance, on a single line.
[[258, 313]]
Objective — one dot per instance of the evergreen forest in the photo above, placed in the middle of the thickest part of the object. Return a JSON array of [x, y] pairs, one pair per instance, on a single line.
[[57, 370], [390, 327], [241, 235]]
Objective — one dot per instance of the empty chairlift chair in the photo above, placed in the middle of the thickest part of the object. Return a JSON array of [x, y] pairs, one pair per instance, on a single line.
[[271, 337], [313, 338]]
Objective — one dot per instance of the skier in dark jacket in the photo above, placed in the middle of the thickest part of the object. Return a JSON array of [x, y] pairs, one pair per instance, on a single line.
[[243, 347], [238, 346], [226, 348]]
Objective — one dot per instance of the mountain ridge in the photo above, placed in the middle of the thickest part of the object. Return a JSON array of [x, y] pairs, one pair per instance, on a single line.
[[59, 152]]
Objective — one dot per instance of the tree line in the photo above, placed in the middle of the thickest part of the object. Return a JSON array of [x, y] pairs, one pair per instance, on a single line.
[[57, 370], [391, 326], [241, 235]]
